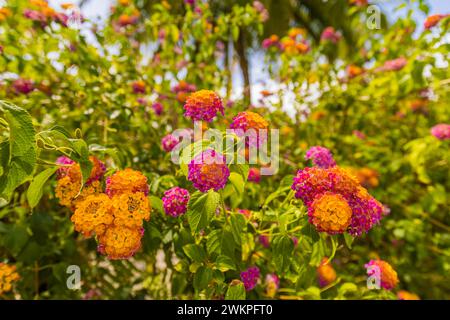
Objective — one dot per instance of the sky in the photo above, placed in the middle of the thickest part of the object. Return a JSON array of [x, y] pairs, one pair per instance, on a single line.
[[99, 10]]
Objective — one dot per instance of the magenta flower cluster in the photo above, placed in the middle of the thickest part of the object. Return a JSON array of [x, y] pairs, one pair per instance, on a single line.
[[312, 183], [441, 131], [250, 278], [23, 86], [254, 175], [321, 157], [169, 142], [329, 34], [175, 201], [208, 170], [64, 162], [203, 105]]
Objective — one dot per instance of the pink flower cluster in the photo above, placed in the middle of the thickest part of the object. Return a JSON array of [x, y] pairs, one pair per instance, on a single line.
[[329, 34], [203, 105], [208, 170], [169, 142], [250, 278], [254, 175], [23, 86], [64, 162], [175, 201], [321, 157], [311, 184], [394, 65], [441, 131]]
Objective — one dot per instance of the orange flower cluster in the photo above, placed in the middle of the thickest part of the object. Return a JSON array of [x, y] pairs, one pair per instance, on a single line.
[[325, 273], [116, 217], [68, 188], [4, 13], [8, 276], [332, 213], [405, 295], [366, 176]]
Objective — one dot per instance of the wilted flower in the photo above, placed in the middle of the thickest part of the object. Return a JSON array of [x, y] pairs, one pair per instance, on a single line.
[[203, 105], [389, 278], [175, 201], [254, 175], [325, 273], [250, 278], [321, 157], [208, 170], [441, 131]]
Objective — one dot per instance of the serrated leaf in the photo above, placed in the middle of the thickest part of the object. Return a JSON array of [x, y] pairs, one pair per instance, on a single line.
[[236, 291], [202, 277], [20, 163], [195, 252], [201, 208]]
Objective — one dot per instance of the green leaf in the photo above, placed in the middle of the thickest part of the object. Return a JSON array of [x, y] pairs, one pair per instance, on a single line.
[[238, 224], [282, 248], [157, 204], [202, 278], [18, 152], [16, 239], [238, 182], [201, 208], [236, 291], [34, 192], [348, 240], [225, 263], [195, 252]]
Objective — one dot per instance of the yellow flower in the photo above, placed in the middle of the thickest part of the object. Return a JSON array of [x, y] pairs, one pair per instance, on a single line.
[[93, 215], [130, 209], [8, 275], [120, 242], [126, 181], [68, 191]]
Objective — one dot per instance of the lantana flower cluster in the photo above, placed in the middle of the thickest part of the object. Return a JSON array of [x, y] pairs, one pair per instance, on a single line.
[[325, 273], [250, 278], [320, 156], [8, 276], [203, 105], [115, 217], [208, 170], [69, 189], [175, 201], [336, 202], [388, 276], [441, 131], [248, 120]]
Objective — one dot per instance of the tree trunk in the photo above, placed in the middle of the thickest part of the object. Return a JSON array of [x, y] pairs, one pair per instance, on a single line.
[[241, 47]]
